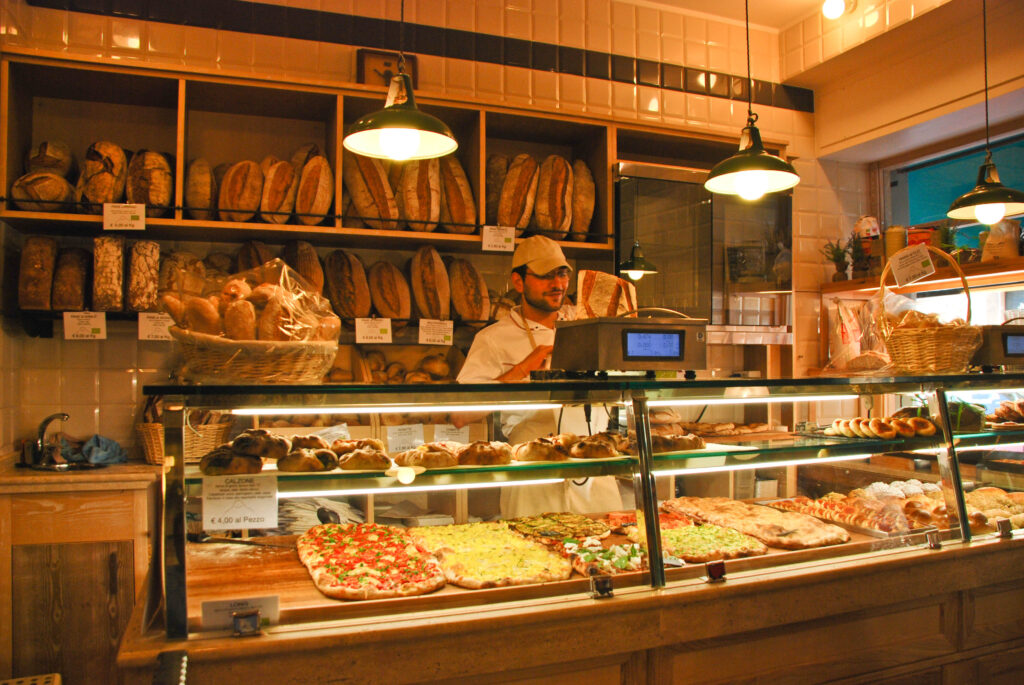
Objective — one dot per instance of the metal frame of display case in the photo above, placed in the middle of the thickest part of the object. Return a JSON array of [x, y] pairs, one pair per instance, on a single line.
[[637, 394]]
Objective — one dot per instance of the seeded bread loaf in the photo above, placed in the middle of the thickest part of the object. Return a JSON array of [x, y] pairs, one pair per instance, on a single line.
[[35, 277], [71, 280], [143, 276], [108, 274]]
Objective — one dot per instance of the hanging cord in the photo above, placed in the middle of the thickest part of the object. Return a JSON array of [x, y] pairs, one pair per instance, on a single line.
[[751, 117], [984, 43], [401, 39]]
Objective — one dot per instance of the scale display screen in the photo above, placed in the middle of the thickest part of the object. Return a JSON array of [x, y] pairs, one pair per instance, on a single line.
[[641, 345], [1013, 344]]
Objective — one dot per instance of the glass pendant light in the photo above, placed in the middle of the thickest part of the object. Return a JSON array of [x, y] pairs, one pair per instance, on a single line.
[[752, 171], [636, 267], [400, 131], [990, 200], [833, 9]]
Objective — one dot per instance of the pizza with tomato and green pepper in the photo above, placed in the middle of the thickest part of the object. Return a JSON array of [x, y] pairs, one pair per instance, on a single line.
[[367, 561]]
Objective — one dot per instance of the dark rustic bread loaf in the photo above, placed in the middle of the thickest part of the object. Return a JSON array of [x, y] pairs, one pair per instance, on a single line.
[[71, 280], [150, 182], [301, 256], [371, 193], [428, 280], [390, 293], [497, 168], [346, 286], [35, 277], [108, 273], [240, 192], [103, 176], [458, 208], [582, 200], [518, 193], [553, 206], [470, 299], [253, 253], [143, 276]]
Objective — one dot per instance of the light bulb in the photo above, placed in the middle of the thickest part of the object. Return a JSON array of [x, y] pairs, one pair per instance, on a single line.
[[399, 143], [406, 475], [751, 185], [635, 275], [833, 9], [990, 214]]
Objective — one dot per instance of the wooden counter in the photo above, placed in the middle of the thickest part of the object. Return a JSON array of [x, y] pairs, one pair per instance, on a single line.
[[78, 547], [951, 615]]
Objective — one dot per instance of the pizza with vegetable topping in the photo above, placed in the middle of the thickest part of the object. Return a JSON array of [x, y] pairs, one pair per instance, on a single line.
[[699, 544], [552, 527], [590, 557], [367, 561], [483, 555]]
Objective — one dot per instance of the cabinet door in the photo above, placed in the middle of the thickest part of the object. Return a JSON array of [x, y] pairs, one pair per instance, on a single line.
[[71, 603]]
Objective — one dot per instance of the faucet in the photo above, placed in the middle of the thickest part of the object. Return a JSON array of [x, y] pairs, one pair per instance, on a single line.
[[39, 449]]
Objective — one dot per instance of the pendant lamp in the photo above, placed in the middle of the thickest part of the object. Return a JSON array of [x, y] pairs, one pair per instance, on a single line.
[[636, 267], [990, 200], [400, 131], [752, 171]]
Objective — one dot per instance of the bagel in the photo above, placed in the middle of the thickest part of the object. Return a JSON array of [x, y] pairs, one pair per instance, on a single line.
[[882, 428], [904, 429], [845, 429], [922, 426], [856, 425]]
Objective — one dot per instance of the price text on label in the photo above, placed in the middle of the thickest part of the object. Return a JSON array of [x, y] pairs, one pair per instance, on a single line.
[[912, 264], [498, 239], [124, 217], [373, 330], [154, 325], [85, 326], [240, 501], [435, 332], [401, 438]]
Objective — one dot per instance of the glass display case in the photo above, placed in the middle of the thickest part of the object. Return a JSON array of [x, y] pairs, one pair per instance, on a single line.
[[689, 501]]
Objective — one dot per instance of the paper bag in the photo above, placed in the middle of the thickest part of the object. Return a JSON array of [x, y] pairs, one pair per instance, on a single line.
[[599, 294]]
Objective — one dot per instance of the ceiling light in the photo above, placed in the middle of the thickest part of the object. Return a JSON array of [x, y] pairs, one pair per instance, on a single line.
[[400, 131], [833, 9], [636, 267], [753, 171], [990, 200]]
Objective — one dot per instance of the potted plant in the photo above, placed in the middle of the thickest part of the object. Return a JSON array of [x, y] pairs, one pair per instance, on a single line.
[[836, 253], [859, 257]]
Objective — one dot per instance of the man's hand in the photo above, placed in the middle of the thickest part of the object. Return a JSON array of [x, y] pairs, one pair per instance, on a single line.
[[535, 360]]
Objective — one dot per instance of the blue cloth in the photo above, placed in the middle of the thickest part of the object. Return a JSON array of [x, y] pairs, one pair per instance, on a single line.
[[95, 450]]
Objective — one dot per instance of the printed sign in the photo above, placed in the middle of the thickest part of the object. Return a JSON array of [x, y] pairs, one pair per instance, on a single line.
[[402, 438], [435, 332], [912, 264], [499, 239], [373, 330], [240, 501], [85, 326], [446, 431], [153, 326], [124, 217]]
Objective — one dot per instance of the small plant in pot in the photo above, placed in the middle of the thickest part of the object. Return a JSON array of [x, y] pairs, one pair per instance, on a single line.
[[836, 253], [859, 257]]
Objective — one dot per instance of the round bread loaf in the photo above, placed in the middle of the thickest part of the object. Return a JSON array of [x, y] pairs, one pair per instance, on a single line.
[[428, 280], [390, 294], [240, 192], [315, 193], [302, 155], [43, 191], [346, 286], [50, 155], [470, 299], [201, 191], [223, 461], [103, 176], [150, 182]]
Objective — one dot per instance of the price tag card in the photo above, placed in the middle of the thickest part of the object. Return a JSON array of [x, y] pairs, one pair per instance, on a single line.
[[153, 326], [85, 326], [446, 431], [336, 432], [124, 217], [435, 332], [912, 264], [499, 238], [217, 614], [240, 502], [373, 330], [401, 438]]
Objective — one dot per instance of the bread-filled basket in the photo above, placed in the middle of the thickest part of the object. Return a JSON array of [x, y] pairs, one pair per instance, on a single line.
[[919, 343], [268, 325], [198, 440]]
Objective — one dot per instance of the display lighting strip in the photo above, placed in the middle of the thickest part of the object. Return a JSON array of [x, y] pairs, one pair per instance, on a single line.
[[747, 467], [752, 399], [933, 451], [417, 488], [393, 409]]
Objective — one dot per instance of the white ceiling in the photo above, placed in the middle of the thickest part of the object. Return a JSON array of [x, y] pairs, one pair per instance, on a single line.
[[776, 14]]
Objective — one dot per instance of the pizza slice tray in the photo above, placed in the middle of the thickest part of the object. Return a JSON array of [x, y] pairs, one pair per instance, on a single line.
[[862, 530]]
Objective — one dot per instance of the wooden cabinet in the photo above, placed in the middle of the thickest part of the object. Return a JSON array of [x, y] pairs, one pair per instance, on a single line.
[[75, 550]]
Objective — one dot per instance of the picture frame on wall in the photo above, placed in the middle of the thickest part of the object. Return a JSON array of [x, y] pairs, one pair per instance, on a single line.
[[377, 67]]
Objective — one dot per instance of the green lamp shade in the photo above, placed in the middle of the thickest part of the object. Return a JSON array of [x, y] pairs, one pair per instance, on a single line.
[[400, 132], [752, 171], [636, 267], [994, 199]]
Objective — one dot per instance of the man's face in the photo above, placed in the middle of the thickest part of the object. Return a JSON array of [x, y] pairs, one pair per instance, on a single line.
[[544, 291]]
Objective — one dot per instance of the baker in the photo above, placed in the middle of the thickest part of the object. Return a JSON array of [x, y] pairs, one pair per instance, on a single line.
[[518, 344]]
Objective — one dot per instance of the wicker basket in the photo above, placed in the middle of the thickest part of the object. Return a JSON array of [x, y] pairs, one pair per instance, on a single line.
[[212, 359], [198, 440], [938, 349]]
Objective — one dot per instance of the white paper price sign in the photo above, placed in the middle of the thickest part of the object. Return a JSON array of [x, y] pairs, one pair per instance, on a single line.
[[85, 326], [153, 326], [240, 501], [435, 332], [446, 431], [912, 264], [124, 217], [373, 330], [499, 238], [401, 438]]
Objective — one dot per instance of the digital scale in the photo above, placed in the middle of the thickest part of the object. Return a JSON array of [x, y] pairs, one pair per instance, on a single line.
[[1000, 346], [630, 344]]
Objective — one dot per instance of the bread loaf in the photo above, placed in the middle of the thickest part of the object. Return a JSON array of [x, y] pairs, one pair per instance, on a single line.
[[50, 155], [303, 155], [103, 176], [220, 261], [394, 169], [428, 281], [143, 276], [219, 172], [497, 168], [315, 193], [71, 280], [240, 192], [469, 292], [275, 322], [150, 182], [202, 316], [390, 293], [582, 200], [108, 274], [182, 273], [302, 256], [43, 191], [35, 277], [253, 253], [518, 193], [240, 320], [349, 214], [173, 305], [200, 190], [266, 163], [458, 208], [346, 286], [553, 206], [368, 186], [279, 186], [418, 193]]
